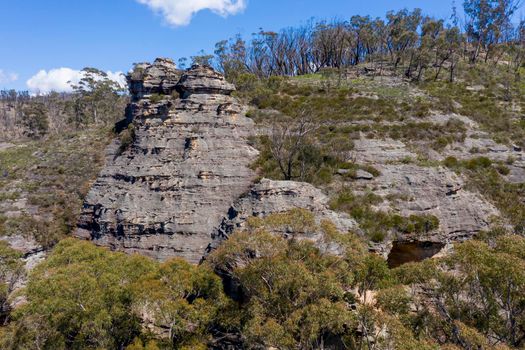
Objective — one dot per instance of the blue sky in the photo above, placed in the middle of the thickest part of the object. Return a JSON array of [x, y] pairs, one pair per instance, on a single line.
[[113, 34]]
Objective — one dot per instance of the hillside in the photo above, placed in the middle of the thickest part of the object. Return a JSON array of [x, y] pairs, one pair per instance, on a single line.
[[394, 169], [348, 185]]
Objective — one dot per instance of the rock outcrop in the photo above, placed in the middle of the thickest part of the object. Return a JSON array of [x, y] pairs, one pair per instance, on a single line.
[[146, 79], [188, 162], [436, 191], [412, 189], [480, 143], [270, 197]]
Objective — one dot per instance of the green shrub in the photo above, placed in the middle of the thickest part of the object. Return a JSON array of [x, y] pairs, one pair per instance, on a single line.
[[451, 162], [502, 169], [424, 223], [323, 176], [378, 224], [156, 98], [246, 82], [477, 163], [440, 143], [9, 196], [377, 236], [83, 295], [294, 295], [127, 137], [474, 150]]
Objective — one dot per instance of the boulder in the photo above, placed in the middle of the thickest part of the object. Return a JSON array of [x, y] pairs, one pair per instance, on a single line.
[[363, 175], [203, 80]]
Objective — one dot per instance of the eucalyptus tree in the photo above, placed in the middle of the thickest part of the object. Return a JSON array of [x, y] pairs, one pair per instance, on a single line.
[[487, 23], [97, 98]]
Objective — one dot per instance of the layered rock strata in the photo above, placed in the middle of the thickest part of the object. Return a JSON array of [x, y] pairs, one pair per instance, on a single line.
[[188, 162], [270, 197], [412, 189], [182, 182]]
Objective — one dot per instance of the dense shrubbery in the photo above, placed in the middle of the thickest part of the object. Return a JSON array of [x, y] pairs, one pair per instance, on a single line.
[[279, 293], [80, 298], [87, 297], [378, 224], [11, 271], [290, 295], [477, 294]]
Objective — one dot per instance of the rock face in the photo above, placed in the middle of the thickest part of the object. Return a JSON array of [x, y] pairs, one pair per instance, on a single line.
[[412, 189], [479, 143], [436, 191], [189, 161], [157, 78], [269, 197]]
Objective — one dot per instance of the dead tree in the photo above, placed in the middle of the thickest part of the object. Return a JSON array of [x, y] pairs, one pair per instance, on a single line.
[[289, 137]]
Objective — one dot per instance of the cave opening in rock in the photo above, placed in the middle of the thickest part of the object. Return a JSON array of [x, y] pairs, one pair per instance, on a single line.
[[405, 252]]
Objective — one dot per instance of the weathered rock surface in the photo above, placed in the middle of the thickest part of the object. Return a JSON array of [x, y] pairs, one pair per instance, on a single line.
[[380, 151], [436, 191], [184, 183], [25, 245], [202, 80], [269, 197], [5, 145], [411, 189], [157, 78], [189, 161], [479, 143]]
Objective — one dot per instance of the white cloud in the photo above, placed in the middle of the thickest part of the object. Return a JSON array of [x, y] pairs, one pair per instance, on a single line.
[[119, 77], [180, 12], [61, 79], [7, 77]]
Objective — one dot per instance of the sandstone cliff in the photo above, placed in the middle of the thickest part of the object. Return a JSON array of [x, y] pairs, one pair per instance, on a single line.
[[188, 161]]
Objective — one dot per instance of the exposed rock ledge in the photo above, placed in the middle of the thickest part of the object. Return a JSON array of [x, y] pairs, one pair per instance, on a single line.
[[269, 197]]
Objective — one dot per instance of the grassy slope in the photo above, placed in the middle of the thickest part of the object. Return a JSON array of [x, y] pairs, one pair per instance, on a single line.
[[43, 182], [391, 107]]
